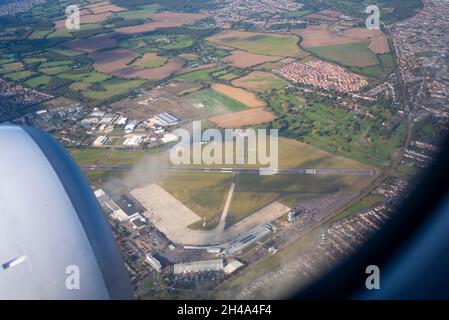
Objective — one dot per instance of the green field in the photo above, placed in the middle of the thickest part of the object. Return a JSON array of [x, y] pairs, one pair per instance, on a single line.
[[34, 60], [54, 70], [203, 193], [199, 75], [353, 54], [39, 34], [150, 60], [260, 81], [265, 44], [142, 12], [55, 63], [106, 89], [66, 52], [40, 82], [66, 33], [245, 203], [380, 71], [19, 75], [89, 77], [157, 43], [215, 103]]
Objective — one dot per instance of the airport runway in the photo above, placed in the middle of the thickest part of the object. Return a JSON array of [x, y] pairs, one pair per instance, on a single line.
[[297, 171]]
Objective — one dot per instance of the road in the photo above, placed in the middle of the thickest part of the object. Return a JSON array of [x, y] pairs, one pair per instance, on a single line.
[[292, 171]]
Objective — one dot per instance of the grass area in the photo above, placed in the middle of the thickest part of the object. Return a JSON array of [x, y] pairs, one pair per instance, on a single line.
[[107, 89], [39, 82], [215, 103], [156, 43], [143, 12], [204, 193], [19, 75], [66, 52], [66, 33], [34, 60], [260, 43], [150, 60], [245, 203], [229, 76], [372, 72], [379, 71], [56, 63], [103, 156], [386, 60], [54, 70], [5, 61], [353, 54], [199, 75], [39, 34], [89, 77], [299, 13], [373, 141], [260, 81]]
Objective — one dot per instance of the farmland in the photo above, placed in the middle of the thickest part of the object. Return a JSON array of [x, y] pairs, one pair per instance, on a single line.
[[260, 43], [260, 81], [150, 60], [243, 59], [215, 103], [354, 54], [243, 96], [243, 118]]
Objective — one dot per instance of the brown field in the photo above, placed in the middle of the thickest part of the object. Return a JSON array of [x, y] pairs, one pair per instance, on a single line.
[[98, 4], [243, 59], [325, 35], [112, 61], [86, 17], [319, 36], [163, 20], [106, 8], [150, 60], [316, 16], [243, 118], [247, 98], [379, 45], [259, 81], [117, 62], [159, 73], [92, 44], [330, 13], [200, 67]]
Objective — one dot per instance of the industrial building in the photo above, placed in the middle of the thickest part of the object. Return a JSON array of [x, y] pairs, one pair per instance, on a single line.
[[155, 263], [198, 266], [232, 266], [166, 119], [131, 126], [133, 141], [123, 208], [101, 140]]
